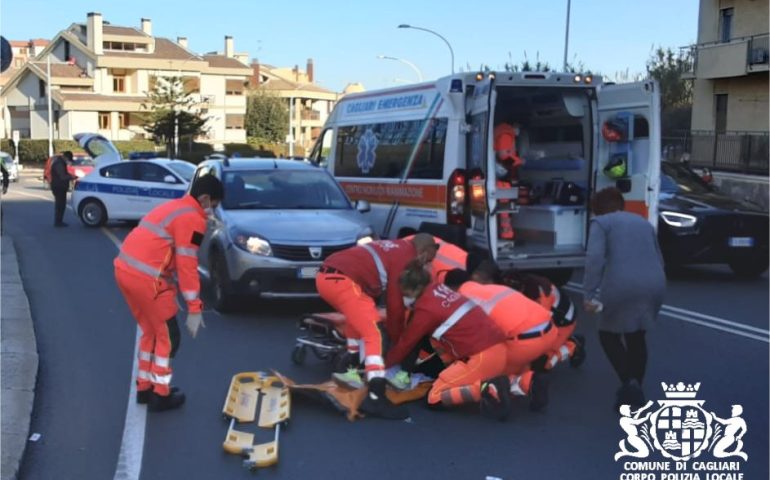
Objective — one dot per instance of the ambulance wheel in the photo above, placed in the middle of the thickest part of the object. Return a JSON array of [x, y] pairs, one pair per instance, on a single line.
[[92, 213], [298, 355]]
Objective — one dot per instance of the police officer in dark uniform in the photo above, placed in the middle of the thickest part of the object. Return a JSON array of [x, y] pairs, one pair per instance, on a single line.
[[60, 183]]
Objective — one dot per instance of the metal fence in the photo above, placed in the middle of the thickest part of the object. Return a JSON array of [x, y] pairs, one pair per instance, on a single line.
[[742, 152]]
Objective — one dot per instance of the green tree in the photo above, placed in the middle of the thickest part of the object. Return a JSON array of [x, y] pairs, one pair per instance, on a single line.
[[667, 68], [171, 110], [267, 117]]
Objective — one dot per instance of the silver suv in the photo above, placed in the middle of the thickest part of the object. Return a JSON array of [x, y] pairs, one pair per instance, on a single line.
[[278, 221]]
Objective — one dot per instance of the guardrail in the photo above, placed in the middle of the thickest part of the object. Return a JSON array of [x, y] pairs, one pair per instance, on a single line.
[[742, 152]]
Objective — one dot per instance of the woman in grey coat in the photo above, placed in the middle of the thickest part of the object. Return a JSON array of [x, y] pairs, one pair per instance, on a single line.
[[624, 282]]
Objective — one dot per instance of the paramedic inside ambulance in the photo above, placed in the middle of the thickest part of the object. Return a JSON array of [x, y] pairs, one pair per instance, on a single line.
[[506, 170]]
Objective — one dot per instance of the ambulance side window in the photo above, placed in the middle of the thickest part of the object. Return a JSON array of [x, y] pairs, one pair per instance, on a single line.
[[476, 144]]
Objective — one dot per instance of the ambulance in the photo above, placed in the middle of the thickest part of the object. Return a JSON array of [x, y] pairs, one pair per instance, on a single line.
[[423, 157]]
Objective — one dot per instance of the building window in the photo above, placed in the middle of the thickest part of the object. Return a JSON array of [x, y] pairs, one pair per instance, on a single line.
[[119, 84], [41, 87], [720, 113], [234, 87], [123, 119], [19, 62], [66, 50], [104, 120], [725, 24], [234, 121]]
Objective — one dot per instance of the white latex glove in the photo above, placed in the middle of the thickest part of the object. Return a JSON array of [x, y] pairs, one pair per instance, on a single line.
[[193, 322]]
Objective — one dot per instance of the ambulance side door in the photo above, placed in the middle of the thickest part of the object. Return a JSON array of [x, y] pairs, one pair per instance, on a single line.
[[637, 107], [481, 183]]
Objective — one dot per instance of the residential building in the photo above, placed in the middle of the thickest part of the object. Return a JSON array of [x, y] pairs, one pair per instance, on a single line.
[[309, 104], [100, 76], [730, 85]]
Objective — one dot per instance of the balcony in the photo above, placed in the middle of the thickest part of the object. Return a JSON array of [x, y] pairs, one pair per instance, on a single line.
[[736, 58], [310, 115]]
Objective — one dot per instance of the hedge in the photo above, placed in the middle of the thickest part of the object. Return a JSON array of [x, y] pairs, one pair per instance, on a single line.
[[35, 152]]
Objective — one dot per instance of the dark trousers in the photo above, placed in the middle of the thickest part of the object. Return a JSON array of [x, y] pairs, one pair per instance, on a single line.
[[627, 353], [60, 197]]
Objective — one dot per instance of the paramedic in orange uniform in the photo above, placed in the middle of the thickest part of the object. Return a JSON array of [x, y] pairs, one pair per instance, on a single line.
[[459, 327], [448, 257], [163, 245], [351, 281], [508, 163]]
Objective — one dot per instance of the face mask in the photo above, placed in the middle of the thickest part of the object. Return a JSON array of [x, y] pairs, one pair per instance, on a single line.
[[209, 212], [409, 301]]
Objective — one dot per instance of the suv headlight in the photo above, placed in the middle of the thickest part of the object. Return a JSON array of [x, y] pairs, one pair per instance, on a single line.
[[679, 220], [367, 236], [252, 244]]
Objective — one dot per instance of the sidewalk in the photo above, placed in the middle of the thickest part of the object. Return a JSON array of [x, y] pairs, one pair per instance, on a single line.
[[18, 355]]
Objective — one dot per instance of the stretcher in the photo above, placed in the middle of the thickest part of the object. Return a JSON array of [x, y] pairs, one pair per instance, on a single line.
[[247, 390]]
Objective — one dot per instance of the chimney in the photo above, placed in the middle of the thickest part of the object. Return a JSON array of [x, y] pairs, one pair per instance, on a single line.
[[309, 70], [295, 70], [256, 78], [229, 49], [147, 26], [182, 41], [95, 33]]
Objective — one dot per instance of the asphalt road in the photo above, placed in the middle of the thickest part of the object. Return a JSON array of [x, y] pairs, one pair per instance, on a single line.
[[86, 339]]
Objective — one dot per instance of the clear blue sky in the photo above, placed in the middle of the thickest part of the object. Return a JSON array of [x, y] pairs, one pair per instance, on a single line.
[[345, 37]]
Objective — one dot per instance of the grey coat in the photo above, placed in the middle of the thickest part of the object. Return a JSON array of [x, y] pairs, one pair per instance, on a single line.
[[624, 271]]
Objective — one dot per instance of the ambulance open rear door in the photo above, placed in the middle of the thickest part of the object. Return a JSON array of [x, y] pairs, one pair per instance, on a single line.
[[480, 166], [629, 131]]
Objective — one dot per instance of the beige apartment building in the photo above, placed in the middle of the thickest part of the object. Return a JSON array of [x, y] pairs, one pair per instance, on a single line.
[[730, 85], [100, 76], [309, 104]]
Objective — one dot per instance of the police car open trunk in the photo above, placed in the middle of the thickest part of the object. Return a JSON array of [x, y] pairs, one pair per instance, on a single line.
[[564, 130]]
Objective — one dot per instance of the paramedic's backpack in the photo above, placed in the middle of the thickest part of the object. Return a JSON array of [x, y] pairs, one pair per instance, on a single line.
[[570, 194]]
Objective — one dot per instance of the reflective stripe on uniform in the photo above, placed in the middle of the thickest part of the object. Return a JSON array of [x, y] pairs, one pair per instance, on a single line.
[[190, 295], [467, 395], [556, 295], [453, 319], [145, 356], [352, 345], [144, 375], [162, 362], [564, 352], [538, 328], [383, 274], [449, 261], [374, 360], [516, 387], [489, 305], [187, 252], [171, 216], [138, 265], [161, 379], [157, 230], [570, 315]]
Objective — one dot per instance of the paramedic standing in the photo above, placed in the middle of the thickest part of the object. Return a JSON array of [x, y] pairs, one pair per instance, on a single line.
[[624, 283], [60, 184], [351, 282], [506, 171], [163, 245]]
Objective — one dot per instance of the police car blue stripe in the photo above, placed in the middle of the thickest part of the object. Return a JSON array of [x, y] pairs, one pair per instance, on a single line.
[[130, 190]]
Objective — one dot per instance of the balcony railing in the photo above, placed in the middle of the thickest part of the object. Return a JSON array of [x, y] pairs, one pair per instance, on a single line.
[[759, 54], [310, 115], [743, 152]]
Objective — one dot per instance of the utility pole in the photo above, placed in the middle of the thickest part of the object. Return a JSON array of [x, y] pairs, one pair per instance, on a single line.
[[566, 37], [50, 105]]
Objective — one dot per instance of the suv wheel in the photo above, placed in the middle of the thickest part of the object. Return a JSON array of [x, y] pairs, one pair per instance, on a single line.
[[220, 283]]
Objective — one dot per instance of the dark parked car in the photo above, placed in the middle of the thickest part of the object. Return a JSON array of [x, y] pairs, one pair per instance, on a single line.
[[698, 225]]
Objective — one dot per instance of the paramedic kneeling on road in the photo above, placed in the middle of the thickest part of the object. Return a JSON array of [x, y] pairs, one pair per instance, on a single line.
[[351, 281], [457, 326], [165, 243]]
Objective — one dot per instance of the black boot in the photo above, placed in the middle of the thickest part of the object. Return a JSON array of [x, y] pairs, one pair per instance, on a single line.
[[346, 361], [538, 392], [376, 403], [496, 398], [159, 403], [630, 393], [579, 355], [143, 396]]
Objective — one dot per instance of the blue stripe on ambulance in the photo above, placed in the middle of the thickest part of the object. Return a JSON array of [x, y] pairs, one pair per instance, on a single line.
[[129, 190]]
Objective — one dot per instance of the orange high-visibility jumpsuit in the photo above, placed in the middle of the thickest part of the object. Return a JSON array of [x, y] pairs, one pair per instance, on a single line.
[[165, 243], [448, 257], [527, 325], [505, 148], [563, 314], [352, 279], [459, 327]]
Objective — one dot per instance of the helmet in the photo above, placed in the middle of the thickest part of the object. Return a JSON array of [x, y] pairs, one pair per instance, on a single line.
[[615, 130], [617, 167]]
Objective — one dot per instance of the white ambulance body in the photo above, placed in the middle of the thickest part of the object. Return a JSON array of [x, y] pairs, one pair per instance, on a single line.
[[423, 156]]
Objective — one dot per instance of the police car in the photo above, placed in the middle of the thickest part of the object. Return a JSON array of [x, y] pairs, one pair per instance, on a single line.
[[119, 189]]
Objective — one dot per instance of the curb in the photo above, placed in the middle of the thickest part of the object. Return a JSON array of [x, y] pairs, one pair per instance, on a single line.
[[18, 361]]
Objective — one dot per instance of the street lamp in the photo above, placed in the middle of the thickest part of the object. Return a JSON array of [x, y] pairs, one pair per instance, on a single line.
[[451, 52], [406, 62], [566, 37]]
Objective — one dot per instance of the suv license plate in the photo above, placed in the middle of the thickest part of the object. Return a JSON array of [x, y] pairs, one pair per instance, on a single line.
[[741, 242], [307, 272]]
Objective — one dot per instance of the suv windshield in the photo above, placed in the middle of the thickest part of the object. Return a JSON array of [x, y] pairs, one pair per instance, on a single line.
[[282, 189], [680, 179]]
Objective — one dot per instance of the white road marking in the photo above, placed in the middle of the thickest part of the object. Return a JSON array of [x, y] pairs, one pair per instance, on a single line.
[[129, 465], [702, 319]]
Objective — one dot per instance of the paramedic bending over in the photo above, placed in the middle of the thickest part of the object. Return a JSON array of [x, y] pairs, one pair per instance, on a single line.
[[624, 282]]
